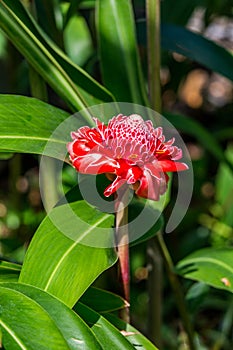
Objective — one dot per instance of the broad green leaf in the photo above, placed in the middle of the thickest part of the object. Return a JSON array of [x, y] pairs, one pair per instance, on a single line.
[[75, 331], [9, 272], [72, 83], [120, 64], [65, 255], [193, 46], [205, 138], [209, 265], [101, 300], [137, 339], [26, 125], [144, 219], [21, 329], [108, 336]]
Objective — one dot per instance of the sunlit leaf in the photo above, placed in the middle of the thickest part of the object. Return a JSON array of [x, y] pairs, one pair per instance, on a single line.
[[20, 327], [108, 336], [26, 125], [74, 330], [209, 265], [66, 254], [137, 339], [77, 40], [119, 58]]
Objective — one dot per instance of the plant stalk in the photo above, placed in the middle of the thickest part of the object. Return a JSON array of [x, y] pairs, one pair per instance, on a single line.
[[122, 244], [153, 52], [155, 261], [178, 292]]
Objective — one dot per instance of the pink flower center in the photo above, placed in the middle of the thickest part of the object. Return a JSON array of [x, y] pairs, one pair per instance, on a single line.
[[135, 140]]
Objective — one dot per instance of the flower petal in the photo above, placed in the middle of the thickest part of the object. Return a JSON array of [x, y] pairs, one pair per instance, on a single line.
[[77, 148], [114, 186], [95, 163], [134, 173], [169, 165], [149, 186]]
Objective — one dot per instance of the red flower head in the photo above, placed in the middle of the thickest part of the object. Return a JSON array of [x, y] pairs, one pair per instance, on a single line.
[[129, 148]]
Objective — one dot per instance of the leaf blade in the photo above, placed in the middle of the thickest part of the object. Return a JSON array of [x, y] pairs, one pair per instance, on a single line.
[[74, 330], [26, 125], [71, 82], [192, 45], [136, 338], [59, 253], [106, 333], [118, 49], [16, 307], [209, 265], [9, 272]]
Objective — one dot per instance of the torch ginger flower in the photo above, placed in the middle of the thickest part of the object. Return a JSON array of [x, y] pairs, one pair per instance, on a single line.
[[130, 151]]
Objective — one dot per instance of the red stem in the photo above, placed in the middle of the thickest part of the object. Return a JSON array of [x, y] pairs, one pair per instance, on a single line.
[[122, 243]]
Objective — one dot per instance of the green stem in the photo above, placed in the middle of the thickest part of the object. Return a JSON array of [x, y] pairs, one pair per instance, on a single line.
[[178, 292], [153, 52], [122, 243], [155, 277], [155, 282]]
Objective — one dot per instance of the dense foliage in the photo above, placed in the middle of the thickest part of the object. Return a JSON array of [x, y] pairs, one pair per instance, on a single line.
[[61, 57]]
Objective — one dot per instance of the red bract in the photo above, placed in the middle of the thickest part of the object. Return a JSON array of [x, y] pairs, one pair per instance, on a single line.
[[129, 148]]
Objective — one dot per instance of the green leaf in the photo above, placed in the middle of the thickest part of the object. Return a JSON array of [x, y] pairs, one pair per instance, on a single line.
[[77, 40], [197, 48], [65, 255], [101, 300], [45, 15], [108, 336], [209, 265], [137, 339], [21, 329], [72, 83], [193, 46], [9, 272], [26, 125], [74, 330], [120, 64]]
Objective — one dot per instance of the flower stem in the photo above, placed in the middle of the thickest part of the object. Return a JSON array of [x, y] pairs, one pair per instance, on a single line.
[[178, 293], [122, 243]]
